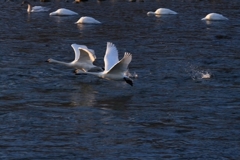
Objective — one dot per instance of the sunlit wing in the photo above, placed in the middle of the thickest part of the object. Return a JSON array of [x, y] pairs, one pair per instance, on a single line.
[[122, 65], [86, 55], [76, 50], [111, 56]]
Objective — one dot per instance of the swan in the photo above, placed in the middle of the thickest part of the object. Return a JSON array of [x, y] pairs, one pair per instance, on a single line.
[[78, 1], [161, 11], [63, 12], [114, 69], [35, 8], [214, 17], [88, 20], [84, 58]]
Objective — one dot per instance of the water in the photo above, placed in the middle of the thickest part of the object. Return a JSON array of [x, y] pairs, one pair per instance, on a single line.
[[184, 103]]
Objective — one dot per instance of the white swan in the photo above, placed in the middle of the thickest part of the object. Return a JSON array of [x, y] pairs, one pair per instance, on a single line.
[[63, 12], [84, 58], [161, 11], [214, 17], [114, 69], [87, 20], [35, 8]]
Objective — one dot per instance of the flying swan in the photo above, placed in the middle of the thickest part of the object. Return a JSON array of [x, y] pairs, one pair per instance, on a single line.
[[214, 17], [35, 8], [84, 58], [114, 69], [161, 11], [63, 12], [87, 20]]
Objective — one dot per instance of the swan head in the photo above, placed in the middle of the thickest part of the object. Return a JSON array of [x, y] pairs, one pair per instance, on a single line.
[[128, 80], [53, 13], [25, 2], [49, 60]]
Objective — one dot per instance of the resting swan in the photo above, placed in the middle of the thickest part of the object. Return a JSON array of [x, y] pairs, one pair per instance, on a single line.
[[84, 58], [87, 20], [161, 11], [114, 69], [63, 12], [214, 17], [35, 8]]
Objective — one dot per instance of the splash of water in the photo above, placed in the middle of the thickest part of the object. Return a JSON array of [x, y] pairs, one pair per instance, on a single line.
[[197, 74], [206, 75], [131, 75]]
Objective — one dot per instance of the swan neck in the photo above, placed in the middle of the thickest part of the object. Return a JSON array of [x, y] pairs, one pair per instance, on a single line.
[[29, 8], [59, 62], [98, 74], [150, 12]]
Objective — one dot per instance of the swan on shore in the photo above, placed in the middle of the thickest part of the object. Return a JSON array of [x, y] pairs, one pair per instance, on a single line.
[[63, 12], [35, 8], [161, 11], [214, 17], [114, 69], [84, 58], [87, 20]]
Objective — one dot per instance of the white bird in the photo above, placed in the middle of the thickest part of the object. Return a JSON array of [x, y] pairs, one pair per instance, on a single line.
[[214, 17], [84, 58], [87, 20], [161, 11], [35, 8], [63, 12], [114, 69]]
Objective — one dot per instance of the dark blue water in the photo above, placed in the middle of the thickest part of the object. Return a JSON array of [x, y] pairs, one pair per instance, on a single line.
[[184, 103]]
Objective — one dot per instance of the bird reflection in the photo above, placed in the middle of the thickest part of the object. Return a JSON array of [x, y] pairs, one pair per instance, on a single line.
[[84, 26], [59, 19], [118, 102], [85, 96]]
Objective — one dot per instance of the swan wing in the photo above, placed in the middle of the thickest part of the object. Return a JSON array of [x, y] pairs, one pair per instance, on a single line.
[[76, 51], [122, 65], [111, 56], [86, 55]]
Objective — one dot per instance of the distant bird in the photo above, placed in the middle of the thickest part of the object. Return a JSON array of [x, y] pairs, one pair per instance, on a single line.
[[114, 69], [78, 1], [84, 58], [161, 11], [63, 12], [35, 8], [214, 17], [87, 20]]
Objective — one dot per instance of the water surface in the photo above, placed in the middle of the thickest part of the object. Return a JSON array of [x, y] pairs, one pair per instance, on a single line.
[[184, 103]]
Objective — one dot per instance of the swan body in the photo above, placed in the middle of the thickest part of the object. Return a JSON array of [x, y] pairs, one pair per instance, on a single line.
[[35, 8], [63, 12], [87, 20], [214, 17], [114, 69], [162, 11], [84, 58]]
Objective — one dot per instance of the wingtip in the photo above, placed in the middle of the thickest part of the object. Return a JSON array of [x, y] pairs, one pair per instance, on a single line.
[[110, 44], [127, 54], [73, 44]]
